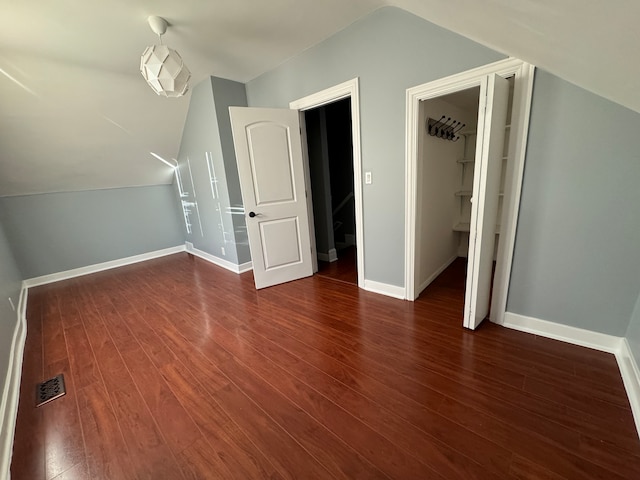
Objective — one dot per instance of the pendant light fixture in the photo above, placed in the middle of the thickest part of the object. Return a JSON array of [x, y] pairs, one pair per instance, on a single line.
[[162, 67]]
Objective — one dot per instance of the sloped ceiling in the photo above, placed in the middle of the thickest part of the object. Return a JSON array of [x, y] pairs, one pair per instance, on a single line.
[[75, 114]]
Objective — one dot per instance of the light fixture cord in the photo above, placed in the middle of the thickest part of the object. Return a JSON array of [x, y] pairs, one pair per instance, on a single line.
[[160, 37]]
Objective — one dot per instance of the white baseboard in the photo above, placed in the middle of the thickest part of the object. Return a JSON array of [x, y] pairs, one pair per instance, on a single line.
[[565, 333], [332, 256], [631, 378], [586, 338], [243, 267], [11, 391], [384, 289], [99, 267], [426, 283]]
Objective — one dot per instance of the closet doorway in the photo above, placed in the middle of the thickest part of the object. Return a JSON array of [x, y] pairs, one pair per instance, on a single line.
[[459, 190], [466, 137]]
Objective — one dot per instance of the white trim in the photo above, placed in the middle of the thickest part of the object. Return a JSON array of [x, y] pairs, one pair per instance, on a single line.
[[426, 283], [99, 267], [243, 267], [513, 191], [11, 392], [308, 192], [586, 338], [384, 289], [326, 96], [564, 333], [332, 256], [518, 135], [631, 378], [348, 89]]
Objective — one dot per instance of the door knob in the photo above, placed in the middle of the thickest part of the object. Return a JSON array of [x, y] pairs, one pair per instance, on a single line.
[[253, 214]]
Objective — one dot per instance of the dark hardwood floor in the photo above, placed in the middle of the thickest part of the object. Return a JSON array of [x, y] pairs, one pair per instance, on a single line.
[[177, 369], [344, 269]]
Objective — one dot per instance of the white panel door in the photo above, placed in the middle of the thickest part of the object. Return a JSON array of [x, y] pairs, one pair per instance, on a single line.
[[484, 209], [269, 156]]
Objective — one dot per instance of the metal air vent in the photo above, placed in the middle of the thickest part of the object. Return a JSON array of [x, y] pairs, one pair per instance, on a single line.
[[50, 390]]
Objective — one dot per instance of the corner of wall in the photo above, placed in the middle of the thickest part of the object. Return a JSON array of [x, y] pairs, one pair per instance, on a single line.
[[232, 267], [619, 346]]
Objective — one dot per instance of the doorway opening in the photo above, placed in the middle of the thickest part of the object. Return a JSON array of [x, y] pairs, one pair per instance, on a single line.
[[446, 170], [500, 144], [349, 232], [330, 156]]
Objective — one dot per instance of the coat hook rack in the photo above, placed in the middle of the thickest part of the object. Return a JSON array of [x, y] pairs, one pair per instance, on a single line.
[[445, 128]]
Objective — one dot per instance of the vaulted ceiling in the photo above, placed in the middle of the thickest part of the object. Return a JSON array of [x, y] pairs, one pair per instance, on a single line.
[[75, 114]]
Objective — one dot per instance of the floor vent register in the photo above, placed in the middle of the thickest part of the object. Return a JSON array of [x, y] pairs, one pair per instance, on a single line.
[[50, 390]]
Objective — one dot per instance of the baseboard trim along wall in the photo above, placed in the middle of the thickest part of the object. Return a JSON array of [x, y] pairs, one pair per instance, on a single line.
[[99, 267], [11, 392], [243, 267], [384, 289], [586, 338], [332, 256], [631, 378], [565, 333]]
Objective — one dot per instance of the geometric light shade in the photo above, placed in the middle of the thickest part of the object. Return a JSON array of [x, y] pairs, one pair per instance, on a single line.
[[163, 69]]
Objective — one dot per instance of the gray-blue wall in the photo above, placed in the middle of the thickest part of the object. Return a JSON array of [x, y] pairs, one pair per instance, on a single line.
[[54, 232], [207, 135], [200, 137], [10, 285], [576, 256], [390, 50], [228, 93]]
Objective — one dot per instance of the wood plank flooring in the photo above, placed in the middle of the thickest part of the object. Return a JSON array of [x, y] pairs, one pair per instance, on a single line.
[[177, 369], [344, 269]]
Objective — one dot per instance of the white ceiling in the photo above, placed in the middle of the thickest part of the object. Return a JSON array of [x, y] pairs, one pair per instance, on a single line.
[[75, 114]]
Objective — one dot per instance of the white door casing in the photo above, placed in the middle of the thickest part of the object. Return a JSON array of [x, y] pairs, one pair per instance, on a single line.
[[349, 89], [524, 76], [494, 99], [269, 157]]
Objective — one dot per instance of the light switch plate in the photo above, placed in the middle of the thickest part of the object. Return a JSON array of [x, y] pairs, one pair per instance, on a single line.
[[367, 178]]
